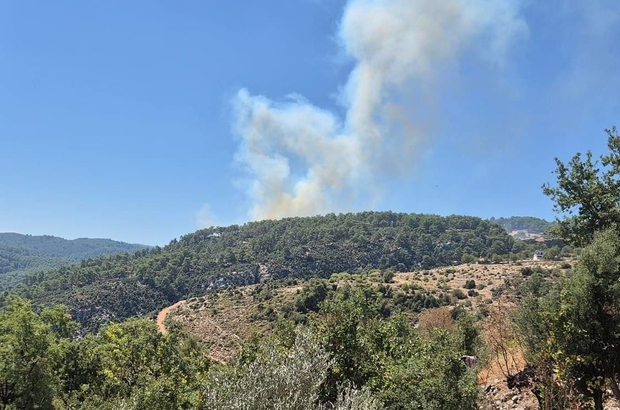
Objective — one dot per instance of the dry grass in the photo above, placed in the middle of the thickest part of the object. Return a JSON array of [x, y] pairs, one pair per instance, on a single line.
[[226, 319]]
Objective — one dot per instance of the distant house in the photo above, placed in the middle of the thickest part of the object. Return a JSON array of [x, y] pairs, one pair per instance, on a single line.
[[538, 255]]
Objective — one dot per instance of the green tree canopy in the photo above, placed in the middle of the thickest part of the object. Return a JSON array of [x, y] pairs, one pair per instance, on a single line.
[[113, 288], [30, 353], [574, 330], [587, 193]]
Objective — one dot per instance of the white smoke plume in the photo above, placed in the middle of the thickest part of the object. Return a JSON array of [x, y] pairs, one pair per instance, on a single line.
[[302, 160]]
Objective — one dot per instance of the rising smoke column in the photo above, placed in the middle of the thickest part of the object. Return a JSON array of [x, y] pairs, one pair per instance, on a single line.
[[399, 47]]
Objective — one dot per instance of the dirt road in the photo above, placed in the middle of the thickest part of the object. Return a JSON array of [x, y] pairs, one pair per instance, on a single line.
[[161, 316]]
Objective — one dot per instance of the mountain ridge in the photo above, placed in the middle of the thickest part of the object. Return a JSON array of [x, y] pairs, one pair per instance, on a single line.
[[21, 254], [120, 286]]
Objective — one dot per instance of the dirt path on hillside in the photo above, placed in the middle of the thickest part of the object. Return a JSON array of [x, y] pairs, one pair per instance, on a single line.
[[161, 316]]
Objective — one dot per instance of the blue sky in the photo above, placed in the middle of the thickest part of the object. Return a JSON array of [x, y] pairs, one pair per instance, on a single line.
[[145, 120]]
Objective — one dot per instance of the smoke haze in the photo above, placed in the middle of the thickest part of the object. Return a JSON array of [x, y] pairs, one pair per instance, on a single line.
[[302, 160]]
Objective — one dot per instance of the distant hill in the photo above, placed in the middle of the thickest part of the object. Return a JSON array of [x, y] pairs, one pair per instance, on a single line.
[[23, 254], [523, 223], [117, 287]]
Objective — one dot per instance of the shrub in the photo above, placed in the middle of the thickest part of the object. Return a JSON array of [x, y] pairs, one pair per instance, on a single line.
[[280, 379], [470, 284], [311, 295], [459, 294], [388, 276]]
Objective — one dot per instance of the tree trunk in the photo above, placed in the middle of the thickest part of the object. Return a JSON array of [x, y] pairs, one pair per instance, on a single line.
[[598, 399], [541, 400], [614, 386]]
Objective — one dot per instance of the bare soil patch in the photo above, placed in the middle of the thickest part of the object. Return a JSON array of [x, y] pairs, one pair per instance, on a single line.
[[163, 314]]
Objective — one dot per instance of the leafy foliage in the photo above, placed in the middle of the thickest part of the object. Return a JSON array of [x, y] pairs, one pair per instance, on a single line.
[[586, 195], [44, 366], [28, 355], [574, 329], [403, 368], [571, 330], [281, 378], [115, 287], [427, 375], [370, 364]]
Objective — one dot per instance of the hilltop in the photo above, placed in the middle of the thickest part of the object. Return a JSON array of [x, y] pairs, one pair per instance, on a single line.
[[529, 224], [347, 278], [23, 254], [116, 287]]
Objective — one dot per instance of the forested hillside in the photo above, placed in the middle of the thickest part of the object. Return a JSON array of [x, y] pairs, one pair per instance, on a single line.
[[21, 254], [526, 223], [120, 286]]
